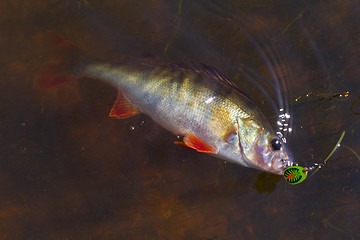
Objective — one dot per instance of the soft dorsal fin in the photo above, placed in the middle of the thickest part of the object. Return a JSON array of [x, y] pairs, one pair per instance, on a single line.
[[151, 59], [193, 142], [207, 70], [123, 108]]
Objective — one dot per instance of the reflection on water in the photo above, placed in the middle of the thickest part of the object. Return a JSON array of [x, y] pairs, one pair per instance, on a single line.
[[68, 171]]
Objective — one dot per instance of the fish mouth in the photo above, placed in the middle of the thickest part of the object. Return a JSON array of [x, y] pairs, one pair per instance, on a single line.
[[274, 165], [278, 166]]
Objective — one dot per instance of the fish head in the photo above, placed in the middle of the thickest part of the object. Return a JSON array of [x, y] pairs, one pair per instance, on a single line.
[[272, 154], [260, 148]]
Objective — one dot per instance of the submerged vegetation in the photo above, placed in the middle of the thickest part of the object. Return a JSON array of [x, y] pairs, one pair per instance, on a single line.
[[353, 105]]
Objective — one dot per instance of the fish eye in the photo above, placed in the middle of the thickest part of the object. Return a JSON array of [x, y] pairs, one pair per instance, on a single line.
[[276, 144]]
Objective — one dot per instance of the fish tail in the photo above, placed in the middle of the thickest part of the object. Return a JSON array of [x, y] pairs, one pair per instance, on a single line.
[[66, 62]]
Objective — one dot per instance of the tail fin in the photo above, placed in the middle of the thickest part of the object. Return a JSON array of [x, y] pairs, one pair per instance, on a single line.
[[65, 64]]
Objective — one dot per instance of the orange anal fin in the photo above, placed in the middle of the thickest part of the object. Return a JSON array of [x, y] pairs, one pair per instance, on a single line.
[[123, 108], [195, 143]]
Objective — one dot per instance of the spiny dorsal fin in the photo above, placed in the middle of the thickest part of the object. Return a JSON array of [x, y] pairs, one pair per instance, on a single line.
[[207, 70]]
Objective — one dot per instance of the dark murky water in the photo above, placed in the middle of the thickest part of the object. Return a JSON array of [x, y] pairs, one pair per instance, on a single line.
[[68, 171]]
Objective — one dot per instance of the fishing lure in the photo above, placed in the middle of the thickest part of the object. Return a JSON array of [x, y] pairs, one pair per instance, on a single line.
[[296, 174]]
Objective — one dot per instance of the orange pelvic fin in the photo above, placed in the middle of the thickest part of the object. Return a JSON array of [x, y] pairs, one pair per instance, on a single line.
[[195, 143], [182, 144], [123, 108]]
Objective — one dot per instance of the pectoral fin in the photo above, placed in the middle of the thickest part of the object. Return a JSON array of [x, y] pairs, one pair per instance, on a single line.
[[195, 143], [230, 137], [123, 108]]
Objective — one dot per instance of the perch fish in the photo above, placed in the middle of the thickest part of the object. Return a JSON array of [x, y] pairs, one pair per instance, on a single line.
[[195, 101]]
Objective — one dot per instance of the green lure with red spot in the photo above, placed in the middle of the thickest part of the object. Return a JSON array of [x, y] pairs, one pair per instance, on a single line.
[[295, 174]]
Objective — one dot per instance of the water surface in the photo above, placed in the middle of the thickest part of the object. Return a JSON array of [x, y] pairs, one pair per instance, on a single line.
[[68, 171]]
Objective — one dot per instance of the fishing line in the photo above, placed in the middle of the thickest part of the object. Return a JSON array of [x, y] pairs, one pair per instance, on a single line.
[[297, 174]]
